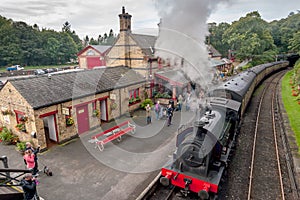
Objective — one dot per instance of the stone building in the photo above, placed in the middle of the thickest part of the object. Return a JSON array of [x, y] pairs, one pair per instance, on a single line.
[[133, 50], [93, 56], [56, 108]]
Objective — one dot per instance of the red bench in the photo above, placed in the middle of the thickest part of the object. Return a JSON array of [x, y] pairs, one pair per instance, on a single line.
[[113, 133]]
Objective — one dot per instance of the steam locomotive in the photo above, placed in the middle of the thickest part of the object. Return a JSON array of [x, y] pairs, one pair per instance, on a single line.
[[203, 148]]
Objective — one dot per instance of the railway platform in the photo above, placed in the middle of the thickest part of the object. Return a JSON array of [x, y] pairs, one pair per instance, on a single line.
[[79, 172]]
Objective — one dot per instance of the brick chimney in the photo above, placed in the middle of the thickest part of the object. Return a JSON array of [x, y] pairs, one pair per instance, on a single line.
[[125, 21]]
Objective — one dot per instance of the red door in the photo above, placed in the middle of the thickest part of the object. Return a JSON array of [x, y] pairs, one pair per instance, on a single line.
[[82, 119], [93, 62]]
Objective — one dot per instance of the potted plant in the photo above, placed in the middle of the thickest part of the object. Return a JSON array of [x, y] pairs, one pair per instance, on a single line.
[[21, 127], [21, 147], [6, 136], [147, 101]]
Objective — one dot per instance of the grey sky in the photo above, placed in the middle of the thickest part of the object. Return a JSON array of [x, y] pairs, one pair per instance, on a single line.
[[90, 17]]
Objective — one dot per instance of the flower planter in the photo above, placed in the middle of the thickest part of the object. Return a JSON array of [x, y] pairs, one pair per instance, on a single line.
[[163, 101]]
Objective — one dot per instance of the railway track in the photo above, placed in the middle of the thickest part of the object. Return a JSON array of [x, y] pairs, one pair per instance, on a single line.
[[271, 177], [156, 191], [270, 167]]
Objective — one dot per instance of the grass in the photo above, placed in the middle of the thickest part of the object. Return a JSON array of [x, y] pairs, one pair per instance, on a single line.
[[291, 105], [3, 69]]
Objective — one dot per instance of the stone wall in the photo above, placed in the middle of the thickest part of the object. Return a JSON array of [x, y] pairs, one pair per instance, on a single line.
[[12, 101]]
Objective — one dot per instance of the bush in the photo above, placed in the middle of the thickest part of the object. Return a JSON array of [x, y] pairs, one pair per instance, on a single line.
[[147, 101], [7, 137], [163, 95], [21, 146]]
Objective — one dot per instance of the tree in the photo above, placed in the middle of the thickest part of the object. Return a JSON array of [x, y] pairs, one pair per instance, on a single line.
[[93, 41], [295, 43], [215, 37], [250, 39]]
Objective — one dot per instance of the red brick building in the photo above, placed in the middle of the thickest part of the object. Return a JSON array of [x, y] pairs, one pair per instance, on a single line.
[[93, 56]]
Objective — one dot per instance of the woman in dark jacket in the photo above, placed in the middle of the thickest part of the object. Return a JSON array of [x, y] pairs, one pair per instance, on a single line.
[[28, 184]]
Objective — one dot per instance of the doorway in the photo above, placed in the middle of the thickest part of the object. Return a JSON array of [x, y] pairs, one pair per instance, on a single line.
[[50, 130], [82, 119], [103, 109]]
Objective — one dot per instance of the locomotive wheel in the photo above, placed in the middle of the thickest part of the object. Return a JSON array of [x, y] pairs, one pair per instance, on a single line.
[[203, 194], [164, 181]]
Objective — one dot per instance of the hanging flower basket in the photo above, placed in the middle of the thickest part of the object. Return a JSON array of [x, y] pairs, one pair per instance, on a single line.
[[21, 127], [69, 121], [113, 106], [96, 113], [24, 119], [6, 112]]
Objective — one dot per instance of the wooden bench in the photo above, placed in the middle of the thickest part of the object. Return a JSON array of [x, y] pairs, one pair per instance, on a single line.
[[113, 133]]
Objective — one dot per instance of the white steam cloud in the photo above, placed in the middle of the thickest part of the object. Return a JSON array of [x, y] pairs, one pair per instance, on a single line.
[[182, 34]]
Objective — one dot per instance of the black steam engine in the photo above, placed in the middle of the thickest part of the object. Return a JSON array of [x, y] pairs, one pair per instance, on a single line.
[[203, 149]]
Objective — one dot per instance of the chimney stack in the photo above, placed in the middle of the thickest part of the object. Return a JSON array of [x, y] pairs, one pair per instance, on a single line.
[[125, 21]]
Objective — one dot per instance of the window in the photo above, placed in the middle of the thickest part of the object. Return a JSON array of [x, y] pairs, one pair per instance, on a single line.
[[20, 116], [134, 93]]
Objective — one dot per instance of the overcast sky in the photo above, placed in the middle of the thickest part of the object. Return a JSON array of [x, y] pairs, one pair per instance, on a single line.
[[92, 17]]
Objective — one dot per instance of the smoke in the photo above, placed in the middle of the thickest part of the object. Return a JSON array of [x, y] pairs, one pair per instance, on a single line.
[[181, 39]]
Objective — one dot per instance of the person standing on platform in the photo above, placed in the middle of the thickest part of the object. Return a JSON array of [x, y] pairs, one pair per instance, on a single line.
[[157, 110], [28, 184], [35, 152], [179, 103], [30, 161], [148, 113], [169, 114]]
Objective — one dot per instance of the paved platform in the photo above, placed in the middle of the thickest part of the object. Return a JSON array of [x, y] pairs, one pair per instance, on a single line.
[[121, 171]]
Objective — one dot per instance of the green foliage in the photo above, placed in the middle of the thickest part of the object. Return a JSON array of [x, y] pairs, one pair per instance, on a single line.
[[291, 106], [21, 146], [28, 45], [145, 102], [253, 38], [249, 37], [69, 121], [7, 136], [163, 95]]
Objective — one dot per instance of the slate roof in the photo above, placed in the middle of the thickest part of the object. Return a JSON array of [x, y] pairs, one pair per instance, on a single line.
[[146, 42], [101, 48], [42, 91], [213, 52], [175, 77]]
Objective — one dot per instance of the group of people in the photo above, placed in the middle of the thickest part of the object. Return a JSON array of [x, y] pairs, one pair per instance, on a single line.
[[159, 112], [29, 181]]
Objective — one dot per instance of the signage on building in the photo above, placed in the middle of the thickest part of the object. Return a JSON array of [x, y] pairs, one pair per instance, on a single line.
[[3, 108], [6, 119], [113, 96], [65, 111]]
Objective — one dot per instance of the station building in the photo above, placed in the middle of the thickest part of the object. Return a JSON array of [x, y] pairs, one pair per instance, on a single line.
[[58, 107]]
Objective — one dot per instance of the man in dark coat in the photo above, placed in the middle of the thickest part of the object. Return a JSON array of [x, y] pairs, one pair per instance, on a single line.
[[28, 184], [170, 114]]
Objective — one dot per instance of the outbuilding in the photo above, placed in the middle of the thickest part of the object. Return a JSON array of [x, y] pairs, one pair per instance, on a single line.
[[55, 108], [93, 56]]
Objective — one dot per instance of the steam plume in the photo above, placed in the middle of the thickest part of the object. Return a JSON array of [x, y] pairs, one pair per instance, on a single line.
[[182, 34]]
